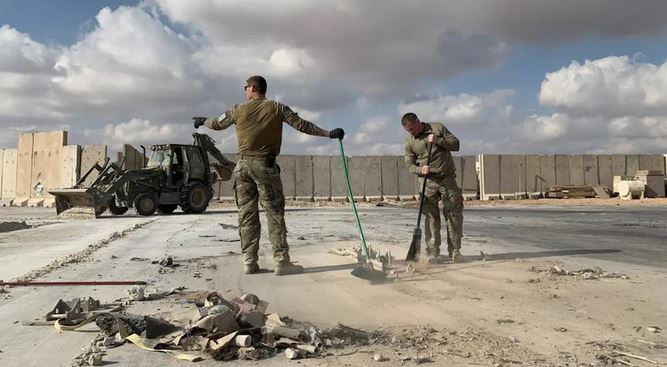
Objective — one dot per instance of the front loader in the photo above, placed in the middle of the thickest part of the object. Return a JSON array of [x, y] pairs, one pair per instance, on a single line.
[[175, 175]]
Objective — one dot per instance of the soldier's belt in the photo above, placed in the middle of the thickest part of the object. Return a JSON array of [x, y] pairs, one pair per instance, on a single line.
[[268, 160]]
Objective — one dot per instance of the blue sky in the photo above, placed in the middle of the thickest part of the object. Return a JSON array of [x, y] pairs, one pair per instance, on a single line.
[[54, 21], [135, 74]]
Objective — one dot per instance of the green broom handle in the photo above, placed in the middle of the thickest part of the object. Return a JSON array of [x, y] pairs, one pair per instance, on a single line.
[[350, 196]]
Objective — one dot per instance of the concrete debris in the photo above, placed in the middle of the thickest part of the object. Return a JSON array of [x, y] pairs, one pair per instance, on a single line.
[[378, 357], [585, 274], [291, 353], [136, 293], [385, 260], [653, 329], [91, 355], [167, 262], [95, 359], [243, 341], [418, 359]]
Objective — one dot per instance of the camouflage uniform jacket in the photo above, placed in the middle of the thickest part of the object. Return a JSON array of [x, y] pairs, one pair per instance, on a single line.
[[259, 126], [416, 151]]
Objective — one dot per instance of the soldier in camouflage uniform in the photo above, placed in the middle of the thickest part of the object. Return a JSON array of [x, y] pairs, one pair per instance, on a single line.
[[440, 184], [259, 126]]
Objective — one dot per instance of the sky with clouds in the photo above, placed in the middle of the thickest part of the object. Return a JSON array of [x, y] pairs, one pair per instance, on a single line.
[[505, 76]]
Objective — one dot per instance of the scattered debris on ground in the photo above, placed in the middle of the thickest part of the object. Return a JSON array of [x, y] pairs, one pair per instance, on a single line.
[[585, 274]]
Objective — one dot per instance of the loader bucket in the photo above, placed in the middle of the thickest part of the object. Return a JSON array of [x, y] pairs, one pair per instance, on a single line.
[[78, 202]]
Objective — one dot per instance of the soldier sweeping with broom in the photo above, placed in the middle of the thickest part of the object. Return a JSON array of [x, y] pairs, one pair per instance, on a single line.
[[428, 150]]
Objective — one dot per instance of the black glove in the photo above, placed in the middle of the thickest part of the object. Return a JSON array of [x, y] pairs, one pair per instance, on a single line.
[[337, 133], [199, 121]]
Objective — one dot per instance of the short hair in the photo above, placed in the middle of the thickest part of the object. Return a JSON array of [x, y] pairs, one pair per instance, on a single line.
[[409, 117], [258, 82]]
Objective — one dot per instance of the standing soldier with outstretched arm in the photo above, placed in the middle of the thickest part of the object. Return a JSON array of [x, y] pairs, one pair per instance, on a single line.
[[259, 126], [441, 182]]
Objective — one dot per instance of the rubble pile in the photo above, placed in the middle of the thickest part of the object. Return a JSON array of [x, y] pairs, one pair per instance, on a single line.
[[586, 274], [210, 325]]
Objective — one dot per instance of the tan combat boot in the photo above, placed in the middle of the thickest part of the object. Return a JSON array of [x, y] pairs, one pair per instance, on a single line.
[[287, 268], [456, 256], [251, 268]]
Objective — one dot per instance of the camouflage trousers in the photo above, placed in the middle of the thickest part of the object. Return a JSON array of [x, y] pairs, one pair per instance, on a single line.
[[255, 183], [452, 200]]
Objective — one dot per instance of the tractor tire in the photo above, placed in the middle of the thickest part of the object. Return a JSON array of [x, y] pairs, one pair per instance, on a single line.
[[117, 210], [195, 198], [166, 208], [145, 204]]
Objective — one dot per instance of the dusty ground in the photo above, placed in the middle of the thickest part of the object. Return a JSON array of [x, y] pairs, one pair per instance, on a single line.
[[510, 308]]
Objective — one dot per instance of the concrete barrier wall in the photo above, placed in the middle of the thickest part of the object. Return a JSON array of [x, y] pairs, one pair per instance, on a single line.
[[654, 162], [321, 177], [8, 193], [576, 170], [303, 168], [23, 169], [489, 176], [91, 155], [287, 175], [71, 165], [390, 176], [2, 163], [562, 169], [512, 175], [631, 164], [500, 174], [407, 182], [372, 177], [534, 180], [468, 174], [338, 185], [604, 170], [47, 159], [591, 170], [355, 166], [134, 159], [42, 161]]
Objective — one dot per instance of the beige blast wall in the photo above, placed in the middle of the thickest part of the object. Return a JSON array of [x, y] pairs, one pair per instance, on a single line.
[[23, 169], [71, 163], [8, 192], [47, 158], [91, 155]]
